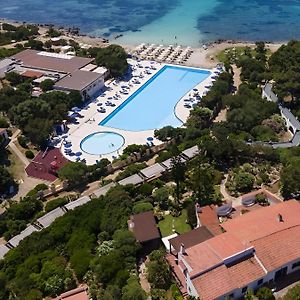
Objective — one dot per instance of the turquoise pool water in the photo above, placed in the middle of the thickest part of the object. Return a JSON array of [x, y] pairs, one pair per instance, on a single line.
[[100, 143], [152, 105]]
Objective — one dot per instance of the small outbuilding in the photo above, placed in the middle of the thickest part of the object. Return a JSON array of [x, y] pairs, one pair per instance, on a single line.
[[145, 230]]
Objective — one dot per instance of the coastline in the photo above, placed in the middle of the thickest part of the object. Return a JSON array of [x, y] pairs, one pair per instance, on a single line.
[[201, 57]]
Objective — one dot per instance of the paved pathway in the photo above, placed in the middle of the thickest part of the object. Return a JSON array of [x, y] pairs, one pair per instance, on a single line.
[[15, 149], [226, 195]]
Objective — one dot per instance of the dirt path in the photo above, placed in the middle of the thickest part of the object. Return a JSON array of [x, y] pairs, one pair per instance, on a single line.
[[236, 77], [226, 195], [221, 117]]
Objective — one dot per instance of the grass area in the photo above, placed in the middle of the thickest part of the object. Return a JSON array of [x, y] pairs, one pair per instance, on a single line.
[[16, 166], [180, 224], [234, 53]]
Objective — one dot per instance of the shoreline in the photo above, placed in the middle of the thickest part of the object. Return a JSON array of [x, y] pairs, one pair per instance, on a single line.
[[203, 57]]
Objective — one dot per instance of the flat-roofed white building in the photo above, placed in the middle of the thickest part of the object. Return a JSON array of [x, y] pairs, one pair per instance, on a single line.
[[86, 83]]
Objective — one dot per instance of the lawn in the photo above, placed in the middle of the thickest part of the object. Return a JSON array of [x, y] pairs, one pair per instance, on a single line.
[[180, 224]]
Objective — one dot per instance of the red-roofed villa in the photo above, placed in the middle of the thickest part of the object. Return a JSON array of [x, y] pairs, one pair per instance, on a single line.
[[257, 248]]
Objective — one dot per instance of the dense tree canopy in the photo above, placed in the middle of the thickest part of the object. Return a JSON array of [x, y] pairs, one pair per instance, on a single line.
[[113, 58]]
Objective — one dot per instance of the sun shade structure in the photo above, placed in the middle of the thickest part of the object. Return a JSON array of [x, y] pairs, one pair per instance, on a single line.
[[50, 217], [103, 190], [78, 202], [168, 163], [191, 152], [153, 171], [134, 179], [18, 238], [3, 250], [248, 201], [224, 210]]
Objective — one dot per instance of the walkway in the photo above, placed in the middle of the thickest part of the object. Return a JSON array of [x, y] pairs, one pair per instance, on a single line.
[[236, 77], [15, 149], [226, 195]]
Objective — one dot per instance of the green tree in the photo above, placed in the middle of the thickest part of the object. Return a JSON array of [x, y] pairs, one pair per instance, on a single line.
[[166, 133], [158, 271], [14, 78], [74, 173], [290, 174], [6, 180], [142, 207], [133, 291], [114, 58], [178, 173], [201, 181], [244, 182], [264, 293], [161, 197], [38, 131], [46, 85]]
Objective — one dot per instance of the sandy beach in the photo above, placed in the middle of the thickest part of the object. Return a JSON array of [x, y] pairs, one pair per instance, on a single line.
[[201, 57]]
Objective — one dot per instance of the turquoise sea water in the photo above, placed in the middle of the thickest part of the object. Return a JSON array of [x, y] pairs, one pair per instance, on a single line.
[[153, 104], [159, 21]]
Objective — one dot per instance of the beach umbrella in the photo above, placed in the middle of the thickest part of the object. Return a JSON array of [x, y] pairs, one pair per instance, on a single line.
[[78, 153], [75, 109], [99, 104], [109, 98], [150, 138], [195, 90], [69, 145]]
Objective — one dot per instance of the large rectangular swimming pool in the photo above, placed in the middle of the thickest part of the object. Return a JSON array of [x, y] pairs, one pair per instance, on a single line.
[[152, 105]]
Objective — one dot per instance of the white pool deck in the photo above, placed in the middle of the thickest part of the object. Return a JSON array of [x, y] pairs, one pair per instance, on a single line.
[[89, 123]]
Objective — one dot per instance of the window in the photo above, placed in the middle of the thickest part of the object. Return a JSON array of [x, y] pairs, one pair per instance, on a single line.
[[296, 265], [244, 289], [260, 281], [231, 296]]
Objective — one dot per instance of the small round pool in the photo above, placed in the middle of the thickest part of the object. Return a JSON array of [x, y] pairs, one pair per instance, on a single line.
[[102, 143]]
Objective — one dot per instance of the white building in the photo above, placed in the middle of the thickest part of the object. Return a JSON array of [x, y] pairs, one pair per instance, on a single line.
[[260, 247], [5, 66]]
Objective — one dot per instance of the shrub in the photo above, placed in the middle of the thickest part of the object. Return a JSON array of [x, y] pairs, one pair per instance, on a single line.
[[264, 293], [262, 200], [23, 141], [3, 123], [142, 207], [29, 154], [55, 203]]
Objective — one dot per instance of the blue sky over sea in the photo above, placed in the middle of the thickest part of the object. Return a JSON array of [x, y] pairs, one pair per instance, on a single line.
[[192, 22]]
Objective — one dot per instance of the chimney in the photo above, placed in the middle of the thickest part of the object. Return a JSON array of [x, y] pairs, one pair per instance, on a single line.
[[182, 249], [280, 218]]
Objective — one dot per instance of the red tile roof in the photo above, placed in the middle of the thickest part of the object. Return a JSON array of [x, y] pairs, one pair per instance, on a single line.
[[222, 280], [32, 74], [76, 294], [217, 266], [279, 248], [144, 227], [208, 217], [181, 282], [40, 167], [264, 222], [213, 252]]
